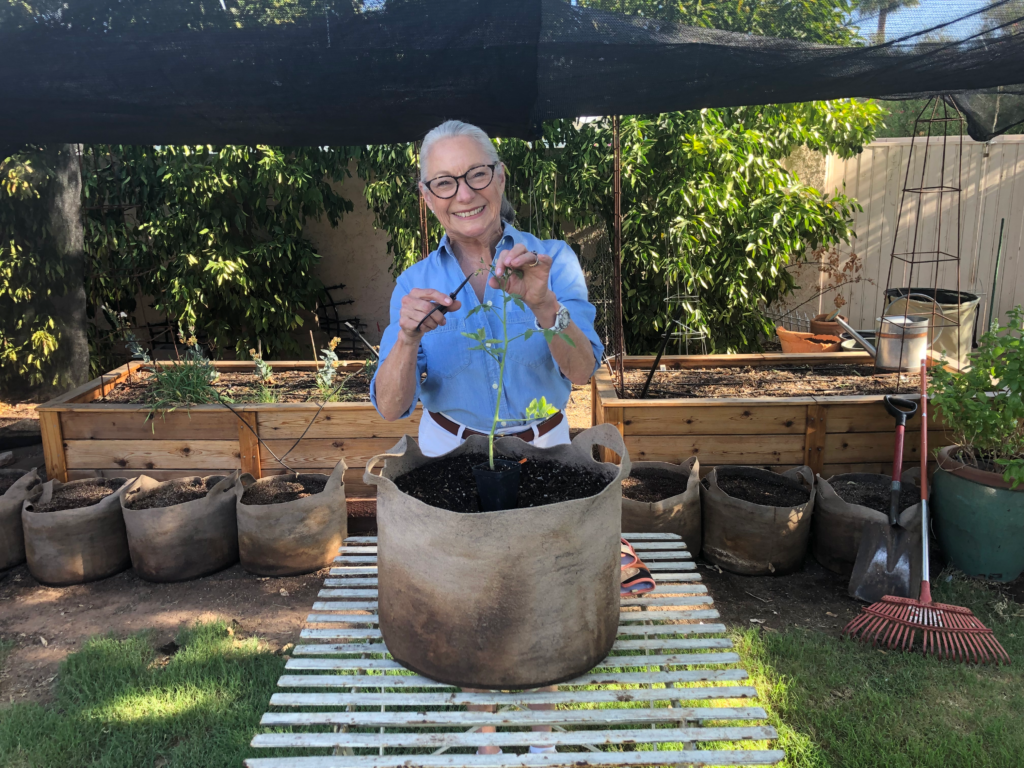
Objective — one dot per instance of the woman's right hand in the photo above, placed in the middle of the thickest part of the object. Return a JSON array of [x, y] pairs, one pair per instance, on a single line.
[[420, 303]]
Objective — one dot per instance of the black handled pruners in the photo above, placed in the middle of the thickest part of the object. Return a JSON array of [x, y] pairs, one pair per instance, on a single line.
[[441, 307]]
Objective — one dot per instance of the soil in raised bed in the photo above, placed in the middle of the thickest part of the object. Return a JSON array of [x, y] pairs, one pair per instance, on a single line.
[[874, 495], [168, 494], [651, 485], [280, 490], [80, 495], [288, 387], [448, 483], [773, 381], [762, 490]]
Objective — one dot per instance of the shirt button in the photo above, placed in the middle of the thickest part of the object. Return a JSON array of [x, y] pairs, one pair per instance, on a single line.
[[494, 386]]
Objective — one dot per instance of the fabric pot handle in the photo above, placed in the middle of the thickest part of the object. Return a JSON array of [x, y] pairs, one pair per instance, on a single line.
[[337, 476], [607, 436], [801, 474], [227, 485], [400, 449]]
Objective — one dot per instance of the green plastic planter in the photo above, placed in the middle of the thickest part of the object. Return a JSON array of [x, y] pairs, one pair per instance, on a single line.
[[979, 521]]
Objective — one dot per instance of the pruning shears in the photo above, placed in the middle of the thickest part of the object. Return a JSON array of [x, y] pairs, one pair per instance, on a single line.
[[441, 307]]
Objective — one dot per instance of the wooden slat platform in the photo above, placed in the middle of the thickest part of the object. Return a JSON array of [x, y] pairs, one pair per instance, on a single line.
[[665, 690]]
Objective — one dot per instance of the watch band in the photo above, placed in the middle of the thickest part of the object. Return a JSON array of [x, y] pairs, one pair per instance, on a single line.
[[562, 320]]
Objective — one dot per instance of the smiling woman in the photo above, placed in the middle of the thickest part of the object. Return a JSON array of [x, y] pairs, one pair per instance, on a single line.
[[463, 181]]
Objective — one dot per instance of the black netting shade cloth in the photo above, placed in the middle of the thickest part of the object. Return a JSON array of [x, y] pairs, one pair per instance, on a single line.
[[333, 72]]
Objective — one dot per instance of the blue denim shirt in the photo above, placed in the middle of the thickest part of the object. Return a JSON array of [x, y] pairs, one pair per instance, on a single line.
[[462, 384]]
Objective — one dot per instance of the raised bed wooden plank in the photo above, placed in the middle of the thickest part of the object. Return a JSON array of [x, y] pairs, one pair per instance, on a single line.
[[53, 446], [766, 419], [156, 474], [364, 422], [153, 454], [874, 418], [135, 425], [857, 447], [322, 453], [690, 757], [718, 449]]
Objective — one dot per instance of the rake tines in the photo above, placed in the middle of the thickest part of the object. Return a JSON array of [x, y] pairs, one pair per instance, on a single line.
[[947, 631]]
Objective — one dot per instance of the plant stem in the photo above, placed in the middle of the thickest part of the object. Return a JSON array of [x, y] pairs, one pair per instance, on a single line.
[[501, 377]]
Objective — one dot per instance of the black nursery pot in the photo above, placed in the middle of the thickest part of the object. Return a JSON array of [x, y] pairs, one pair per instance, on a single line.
[[498, 488]]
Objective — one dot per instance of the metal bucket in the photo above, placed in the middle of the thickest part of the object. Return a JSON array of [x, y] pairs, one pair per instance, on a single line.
[[902, 342]]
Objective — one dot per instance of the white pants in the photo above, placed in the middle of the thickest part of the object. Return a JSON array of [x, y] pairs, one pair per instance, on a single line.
[[436, 440]]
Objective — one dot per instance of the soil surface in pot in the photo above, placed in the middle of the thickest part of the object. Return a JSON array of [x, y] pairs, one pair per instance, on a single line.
[[448, 483], [178, 492], [284, 489], [286, 387], [874, 495], [651, 485], [762, 490], [7, 482], [774, 381], [80, 495]]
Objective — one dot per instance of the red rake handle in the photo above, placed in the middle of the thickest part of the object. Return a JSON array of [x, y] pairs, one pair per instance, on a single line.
[[926, 589]]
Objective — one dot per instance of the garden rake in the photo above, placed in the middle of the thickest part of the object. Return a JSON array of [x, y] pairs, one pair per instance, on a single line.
[[947, 631]]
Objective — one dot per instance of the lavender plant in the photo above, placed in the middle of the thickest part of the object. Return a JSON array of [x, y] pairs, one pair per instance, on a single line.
[[264, 378]]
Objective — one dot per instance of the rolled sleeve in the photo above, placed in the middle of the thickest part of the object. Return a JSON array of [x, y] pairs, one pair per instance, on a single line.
[[570, 288], [387, 343]]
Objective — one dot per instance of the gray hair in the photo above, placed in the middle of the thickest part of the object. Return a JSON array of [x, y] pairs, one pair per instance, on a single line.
[[452, 129]]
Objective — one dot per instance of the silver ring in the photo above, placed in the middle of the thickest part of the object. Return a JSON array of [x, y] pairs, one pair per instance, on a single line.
[[536, 260]]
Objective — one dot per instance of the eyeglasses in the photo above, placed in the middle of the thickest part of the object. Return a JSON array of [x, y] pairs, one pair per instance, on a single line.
[[477, 178]]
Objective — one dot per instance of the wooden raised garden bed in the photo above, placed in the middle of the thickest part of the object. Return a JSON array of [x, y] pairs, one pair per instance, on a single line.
[[830, 433], [85, 438]]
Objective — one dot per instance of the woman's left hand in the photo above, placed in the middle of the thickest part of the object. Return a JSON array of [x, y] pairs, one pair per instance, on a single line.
[[527, 276]]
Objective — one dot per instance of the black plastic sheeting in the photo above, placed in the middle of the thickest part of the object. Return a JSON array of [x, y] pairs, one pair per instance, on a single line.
[[344, 72]]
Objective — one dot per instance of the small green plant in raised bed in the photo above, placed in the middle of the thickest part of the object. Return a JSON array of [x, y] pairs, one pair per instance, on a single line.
[[263, 391], [326, 371], [983, 406]]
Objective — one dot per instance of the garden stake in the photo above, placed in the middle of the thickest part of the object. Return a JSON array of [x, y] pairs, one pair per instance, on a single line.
[[947, 631]]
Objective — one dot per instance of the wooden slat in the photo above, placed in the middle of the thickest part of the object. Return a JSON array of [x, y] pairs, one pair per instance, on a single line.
[[719, 449], [814, 440], [153, 454], [624, 617], [766, 419], [156, 474], [91, 390], [621, 646], [757, 359], [611, 662], [324, 453], [690, 757], [249, 444], [630, 631], [135, 425], [874, 418], [53, 446], [334, 423], [857, 447]]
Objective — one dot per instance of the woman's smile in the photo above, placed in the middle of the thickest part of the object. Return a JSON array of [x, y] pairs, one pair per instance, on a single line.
[[470, 214]]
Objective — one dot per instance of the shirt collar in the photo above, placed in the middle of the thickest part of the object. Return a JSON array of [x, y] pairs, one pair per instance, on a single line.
[[510, 236]]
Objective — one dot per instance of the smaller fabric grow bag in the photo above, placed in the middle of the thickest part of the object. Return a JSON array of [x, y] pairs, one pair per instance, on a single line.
[[756, 539], [678, 514], [75, 546], [182, 541], [838, 525], [12, 537], [292, 537]]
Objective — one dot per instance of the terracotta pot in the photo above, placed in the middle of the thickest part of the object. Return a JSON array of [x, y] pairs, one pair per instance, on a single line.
[[822, 327], [678, 514], [513, 599], [794, 342]]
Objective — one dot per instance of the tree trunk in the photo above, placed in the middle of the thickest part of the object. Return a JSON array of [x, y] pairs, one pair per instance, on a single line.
[[883, 13]]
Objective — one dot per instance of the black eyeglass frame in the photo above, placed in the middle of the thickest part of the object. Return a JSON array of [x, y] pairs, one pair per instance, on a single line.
[[463, 177]]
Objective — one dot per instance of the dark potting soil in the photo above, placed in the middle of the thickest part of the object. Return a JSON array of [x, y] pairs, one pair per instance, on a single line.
[[78, 495], [448, 483], [651, 485], [762, 490], [875, 495], [283, 489], [6, 482], [770, 381], [168, 494]]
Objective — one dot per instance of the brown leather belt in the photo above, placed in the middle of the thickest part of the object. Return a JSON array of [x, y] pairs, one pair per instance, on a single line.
[[527, 434]]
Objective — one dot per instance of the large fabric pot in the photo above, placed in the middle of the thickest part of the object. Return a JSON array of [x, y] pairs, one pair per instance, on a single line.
[[756, 539], [75, 546], [12, 537], [978, 520], [838, 525], [182, 541], [678, 514], [292, 537], [519, 598]]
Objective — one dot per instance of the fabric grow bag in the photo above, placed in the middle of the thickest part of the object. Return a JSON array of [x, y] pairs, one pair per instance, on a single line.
[[678, 514], [838, 525], [182, 541], [12, 537], [75, 546], [519, 598], [756, 539], [292, 537]]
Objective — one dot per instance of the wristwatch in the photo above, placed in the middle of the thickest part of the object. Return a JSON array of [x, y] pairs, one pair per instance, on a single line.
[[561, 321]]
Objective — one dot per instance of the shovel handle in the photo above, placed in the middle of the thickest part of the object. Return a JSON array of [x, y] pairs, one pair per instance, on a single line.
[[900, 409], [897, 470]]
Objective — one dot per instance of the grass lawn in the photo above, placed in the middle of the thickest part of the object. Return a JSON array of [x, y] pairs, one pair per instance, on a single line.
[[836, 703]]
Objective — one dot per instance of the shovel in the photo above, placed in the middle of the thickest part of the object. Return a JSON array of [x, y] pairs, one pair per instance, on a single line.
[[883, 565]]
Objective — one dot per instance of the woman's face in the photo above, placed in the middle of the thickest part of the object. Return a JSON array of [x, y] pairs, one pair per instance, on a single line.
[[471, 213]]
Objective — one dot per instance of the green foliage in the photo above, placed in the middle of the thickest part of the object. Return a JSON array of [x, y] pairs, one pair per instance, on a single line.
[[326, 371], [28, 335], [185, 382], [984, 406], [214, 234], [263, 393]]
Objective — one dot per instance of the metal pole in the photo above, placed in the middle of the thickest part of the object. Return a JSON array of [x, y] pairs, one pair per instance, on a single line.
[[995, 277], [620, 352]]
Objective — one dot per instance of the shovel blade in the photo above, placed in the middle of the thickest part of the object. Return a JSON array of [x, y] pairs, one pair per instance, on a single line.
[[888, 563]]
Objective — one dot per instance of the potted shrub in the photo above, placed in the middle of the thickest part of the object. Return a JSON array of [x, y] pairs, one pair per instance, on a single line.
[[978, 490]]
